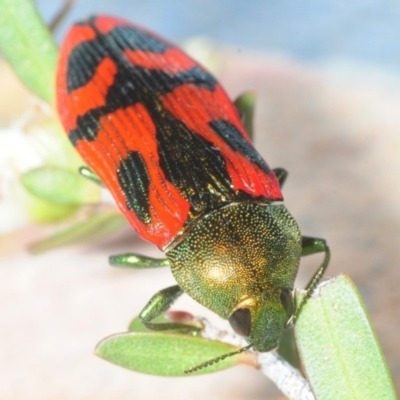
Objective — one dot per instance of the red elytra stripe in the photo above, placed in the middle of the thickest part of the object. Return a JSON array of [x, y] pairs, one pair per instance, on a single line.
[[197, 106], [88, 97], [77, 35], [106, 24], [193, 105], [167, 208], [172, 60], [92, 95], [206, 106]]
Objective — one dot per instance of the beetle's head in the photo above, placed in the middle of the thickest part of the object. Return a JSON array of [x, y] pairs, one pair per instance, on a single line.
[[262, 319]]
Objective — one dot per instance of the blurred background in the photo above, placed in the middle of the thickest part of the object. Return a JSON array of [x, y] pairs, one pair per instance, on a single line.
[[327, 78], [309, 30]]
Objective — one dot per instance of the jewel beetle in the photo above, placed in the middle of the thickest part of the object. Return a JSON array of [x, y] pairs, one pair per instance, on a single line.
[[161, 134]]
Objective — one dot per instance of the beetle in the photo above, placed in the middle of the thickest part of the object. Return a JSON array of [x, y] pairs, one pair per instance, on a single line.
[[162, 135]]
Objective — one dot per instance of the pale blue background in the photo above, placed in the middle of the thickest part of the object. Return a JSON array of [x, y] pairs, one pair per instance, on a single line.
[[366, 31]]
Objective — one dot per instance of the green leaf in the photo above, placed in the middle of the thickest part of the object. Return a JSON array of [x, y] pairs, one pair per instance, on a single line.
[[287, 348], [60, 186], [245, 105], [338, 347], [157, 353], [96, 226], [44, 212], [28, 46]]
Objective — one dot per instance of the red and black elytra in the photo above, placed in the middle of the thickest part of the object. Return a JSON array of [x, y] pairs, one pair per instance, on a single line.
[[157, 129], [164, 138]]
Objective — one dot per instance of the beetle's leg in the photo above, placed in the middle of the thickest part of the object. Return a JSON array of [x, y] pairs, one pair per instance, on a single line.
[[245, 105], [309, 246], [281, 174], [158, 305], [137, 261], [89, 174]]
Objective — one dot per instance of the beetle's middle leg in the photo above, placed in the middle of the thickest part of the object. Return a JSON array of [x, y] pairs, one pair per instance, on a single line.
[[132, 260]]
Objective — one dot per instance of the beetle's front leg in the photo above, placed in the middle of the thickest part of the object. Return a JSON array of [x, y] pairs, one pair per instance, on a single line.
[[310, 245], [158, 305]]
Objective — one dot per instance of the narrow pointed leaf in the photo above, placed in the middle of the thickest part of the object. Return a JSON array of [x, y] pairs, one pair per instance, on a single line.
[[338, 347], [28, 46], [157, 353]]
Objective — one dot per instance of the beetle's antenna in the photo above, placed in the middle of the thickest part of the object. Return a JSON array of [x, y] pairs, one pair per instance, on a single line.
[[217, 359]]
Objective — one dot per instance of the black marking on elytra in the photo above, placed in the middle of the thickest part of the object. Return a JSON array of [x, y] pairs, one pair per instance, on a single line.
[[194, 166], [235, 140], [131, 84], [134, 180], [87, 126], [82, 64], [191, 163], [136, 85], [130, 38], [86, 57], [90, 53]]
